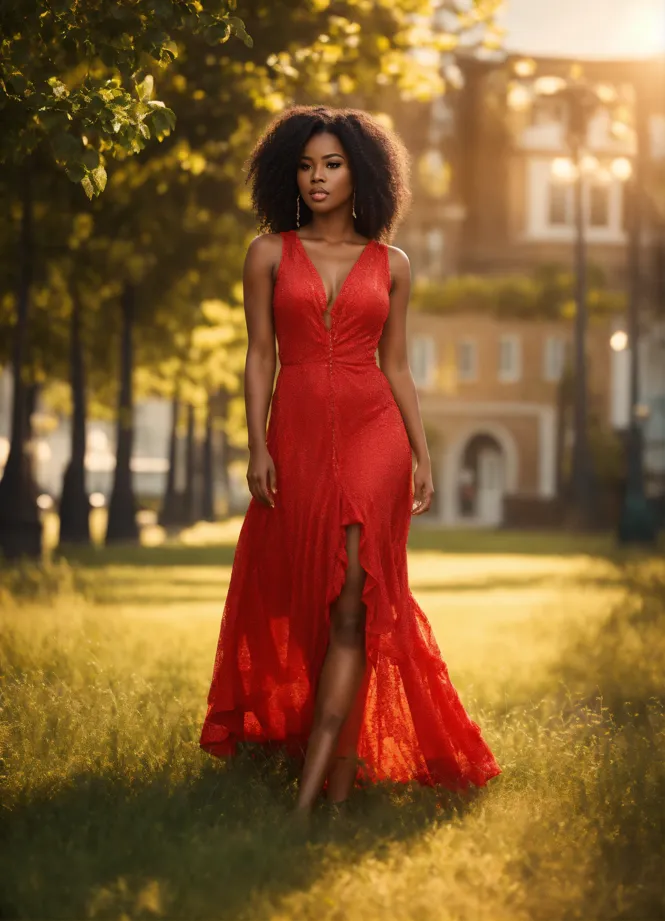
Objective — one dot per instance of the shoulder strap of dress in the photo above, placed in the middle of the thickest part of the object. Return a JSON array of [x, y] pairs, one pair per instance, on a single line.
[[287, 246], [287, 241]]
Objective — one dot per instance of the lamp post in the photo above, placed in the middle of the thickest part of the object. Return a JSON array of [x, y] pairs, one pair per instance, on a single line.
[[581, 99], [637, 520], [576, 171]]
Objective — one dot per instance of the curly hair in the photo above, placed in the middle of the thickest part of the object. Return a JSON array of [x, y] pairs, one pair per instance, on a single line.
[[378, 159]]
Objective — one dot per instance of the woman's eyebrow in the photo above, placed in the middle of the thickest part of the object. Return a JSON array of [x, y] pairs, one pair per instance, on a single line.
[[324, 157]]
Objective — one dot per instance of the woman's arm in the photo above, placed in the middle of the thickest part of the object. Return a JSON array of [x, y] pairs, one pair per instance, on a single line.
[[394, 363], [263, 254]]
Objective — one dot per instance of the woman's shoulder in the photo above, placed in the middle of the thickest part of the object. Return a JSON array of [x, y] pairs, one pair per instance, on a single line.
[[266, 242], [266, 247], [399, 261]]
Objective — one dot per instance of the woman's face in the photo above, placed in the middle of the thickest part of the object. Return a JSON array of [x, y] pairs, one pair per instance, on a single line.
[[324, 174]]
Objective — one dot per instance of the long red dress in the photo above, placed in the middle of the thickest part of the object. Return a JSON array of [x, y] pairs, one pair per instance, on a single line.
[[342, 455]]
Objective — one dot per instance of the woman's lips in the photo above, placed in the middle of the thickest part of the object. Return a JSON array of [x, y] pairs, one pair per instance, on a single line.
[[319, 195]]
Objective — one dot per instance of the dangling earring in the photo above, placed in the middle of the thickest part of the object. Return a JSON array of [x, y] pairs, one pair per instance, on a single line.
[[353, 206], [298, 210]]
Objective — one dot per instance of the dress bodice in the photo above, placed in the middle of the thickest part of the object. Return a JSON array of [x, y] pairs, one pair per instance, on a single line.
[[356, 317]]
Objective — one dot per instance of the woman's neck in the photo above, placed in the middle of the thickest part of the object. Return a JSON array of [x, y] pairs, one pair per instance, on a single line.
[[333, 228]]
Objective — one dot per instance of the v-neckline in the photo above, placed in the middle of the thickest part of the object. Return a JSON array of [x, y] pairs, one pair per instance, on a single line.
[[322, 287]]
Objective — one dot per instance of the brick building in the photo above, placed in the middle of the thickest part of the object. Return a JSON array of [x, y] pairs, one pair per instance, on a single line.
[[489, 393], [488, 387]]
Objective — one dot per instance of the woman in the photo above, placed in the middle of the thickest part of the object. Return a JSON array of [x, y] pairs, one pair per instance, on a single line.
[[323, 649]]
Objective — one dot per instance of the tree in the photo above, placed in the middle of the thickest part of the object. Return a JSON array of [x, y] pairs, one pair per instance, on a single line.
[[75, 89], [173, 223]]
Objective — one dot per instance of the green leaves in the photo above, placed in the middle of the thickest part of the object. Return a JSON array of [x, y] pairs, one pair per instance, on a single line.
[[66, 72], [94, 182], [238, 28], [16, 83], [90, 158], [169, 51], [66, 148], [146, 88], [160, 120]]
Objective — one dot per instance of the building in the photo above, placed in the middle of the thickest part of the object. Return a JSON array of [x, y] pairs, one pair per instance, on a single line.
[[489, 393], [501, 211]]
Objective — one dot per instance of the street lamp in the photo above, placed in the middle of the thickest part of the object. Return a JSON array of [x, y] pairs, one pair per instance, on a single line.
[[581, 99], [637, 521]]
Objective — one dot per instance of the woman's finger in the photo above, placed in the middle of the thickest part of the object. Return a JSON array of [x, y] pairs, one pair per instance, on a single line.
[[257, 487], [263, 490], [423, 504]]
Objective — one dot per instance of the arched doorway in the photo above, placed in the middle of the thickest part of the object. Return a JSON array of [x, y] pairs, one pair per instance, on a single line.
[[481, 466], [482, 480]]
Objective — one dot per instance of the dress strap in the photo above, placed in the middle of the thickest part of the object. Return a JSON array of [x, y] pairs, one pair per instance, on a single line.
[[287, 247], [286, 241]]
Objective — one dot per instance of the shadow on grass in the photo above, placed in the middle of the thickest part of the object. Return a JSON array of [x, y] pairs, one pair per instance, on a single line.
[[134, 555], [180, 591], [506, 542], [536, 543], [201, 847], [516, 583]]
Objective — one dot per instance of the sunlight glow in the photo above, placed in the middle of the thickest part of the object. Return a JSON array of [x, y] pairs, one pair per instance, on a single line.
[[619, 341], [644, 30], [563, 169], [622, 168], [609, 29]]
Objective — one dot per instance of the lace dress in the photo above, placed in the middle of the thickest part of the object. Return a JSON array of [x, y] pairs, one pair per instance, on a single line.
[[342, 455]]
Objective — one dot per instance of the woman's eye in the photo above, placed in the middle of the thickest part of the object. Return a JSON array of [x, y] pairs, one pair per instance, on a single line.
[[334, 163]]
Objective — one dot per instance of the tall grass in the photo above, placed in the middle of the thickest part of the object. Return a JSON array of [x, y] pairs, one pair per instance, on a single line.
[[110, 810]]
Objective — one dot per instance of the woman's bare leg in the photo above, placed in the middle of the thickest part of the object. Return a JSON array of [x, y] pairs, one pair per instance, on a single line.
[[341, 675], [344, 766]]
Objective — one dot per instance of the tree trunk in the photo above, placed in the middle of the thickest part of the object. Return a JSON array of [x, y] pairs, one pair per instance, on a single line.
[[208, 497], [20, 524], [189, 500], [171, 512], [561, 425], [225, 459], [74, 502], [122, 524]]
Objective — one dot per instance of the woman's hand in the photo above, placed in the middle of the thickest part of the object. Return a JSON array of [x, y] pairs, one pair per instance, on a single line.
[[261, 476], [423, 488]]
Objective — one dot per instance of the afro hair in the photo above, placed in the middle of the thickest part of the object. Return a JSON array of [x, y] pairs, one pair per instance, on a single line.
[[378, 159]]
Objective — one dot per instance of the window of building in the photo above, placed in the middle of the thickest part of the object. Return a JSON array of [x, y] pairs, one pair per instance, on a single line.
[[435, 242], [547, 111], [467, 360], [550, 206], [510, 358], [423, 361], [599, 206], [559, 213], [554, 358]]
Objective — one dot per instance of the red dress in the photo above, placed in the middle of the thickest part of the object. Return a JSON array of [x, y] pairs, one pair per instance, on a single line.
[[342, 455]]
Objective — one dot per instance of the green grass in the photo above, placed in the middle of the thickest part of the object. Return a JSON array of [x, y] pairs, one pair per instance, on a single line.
[[110, 810]]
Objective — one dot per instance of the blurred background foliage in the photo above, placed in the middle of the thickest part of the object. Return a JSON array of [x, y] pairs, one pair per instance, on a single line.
[[125, 215]]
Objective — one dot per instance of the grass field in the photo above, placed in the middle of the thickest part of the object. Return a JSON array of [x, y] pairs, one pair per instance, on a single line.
[[110, 810]]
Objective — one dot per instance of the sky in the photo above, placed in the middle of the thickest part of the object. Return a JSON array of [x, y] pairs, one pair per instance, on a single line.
[[589, 28]]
